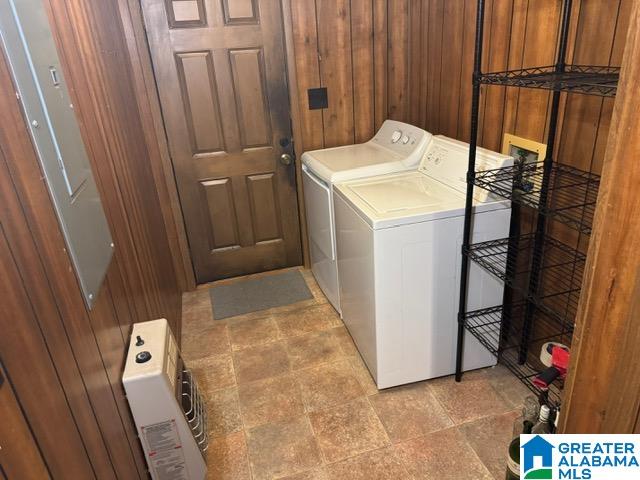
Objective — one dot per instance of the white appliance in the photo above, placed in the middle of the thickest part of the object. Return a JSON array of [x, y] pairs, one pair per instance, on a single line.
[[399, 240], [168, 410], [397, 147]]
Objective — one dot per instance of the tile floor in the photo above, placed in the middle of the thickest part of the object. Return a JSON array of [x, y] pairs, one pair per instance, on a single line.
[[289, 397]]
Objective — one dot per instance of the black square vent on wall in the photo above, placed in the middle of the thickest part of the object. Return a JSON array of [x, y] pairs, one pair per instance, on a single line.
[[318, 98]]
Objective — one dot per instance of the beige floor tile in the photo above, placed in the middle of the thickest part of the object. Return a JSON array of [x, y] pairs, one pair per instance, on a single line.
[[197, 314], [214, 340], [271, 400], [213, 373], [348, 430], [317, 474], [249, 333], [227, 458], [489, 437], [223, 411], [281, 449], [409, 411], [260, 362], [443, 455], [313, 349], [363, 375], [512, 390], [469, 399], [306, 320], [383, 464], [345, 340], [328, 385]]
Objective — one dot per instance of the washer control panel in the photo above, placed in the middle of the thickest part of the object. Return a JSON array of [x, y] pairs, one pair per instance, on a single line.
[[400, 137]]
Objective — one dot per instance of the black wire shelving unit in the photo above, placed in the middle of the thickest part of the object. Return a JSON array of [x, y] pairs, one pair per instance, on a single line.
[[542, 276]]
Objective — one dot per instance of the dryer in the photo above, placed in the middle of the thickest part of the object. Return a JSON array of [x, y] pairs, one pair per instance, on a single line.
[[399, 240], [396, 147]]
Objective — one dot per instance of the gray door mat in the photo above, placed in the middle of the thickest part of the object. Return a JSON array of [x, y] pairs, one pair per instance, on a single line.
[[256, 294]]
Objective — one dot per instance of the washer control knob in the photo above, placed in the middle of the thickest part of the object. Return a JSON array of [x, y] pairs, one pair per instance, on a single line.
[[143, 357], [405, 139], [395, 136]]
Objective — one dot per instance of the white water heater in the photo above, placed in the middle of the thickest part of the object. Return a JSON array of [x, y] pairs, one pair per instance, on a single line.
[[167, 407]]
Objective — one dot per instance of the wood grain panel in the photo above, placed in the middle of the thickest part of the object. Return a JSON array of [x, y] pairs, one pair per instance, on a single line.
[[451, 67], [19, 457], [398, 66], [307, 66], [362, 48], [602, 389], [37, 379], [380, 60], [200, 99], [265, 208], [240, 12], [115, 137], [85, 350], [252, 105], [334, 46], [222, 225]]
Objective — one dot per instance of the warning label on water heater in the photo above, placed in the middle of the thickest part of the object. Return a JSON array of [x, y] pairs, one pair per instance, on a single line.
[[165, 454]]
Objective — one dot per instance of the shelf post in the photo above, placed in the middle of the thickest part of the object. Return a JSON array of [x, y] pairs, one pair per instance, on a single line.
[[538, 245], [471, 169]]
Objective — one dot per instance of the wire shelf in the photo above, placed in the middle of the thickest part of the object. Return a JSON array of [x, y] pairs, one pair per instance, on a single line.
[[586, 79], [561, 272], [498, 332], [571, 196]]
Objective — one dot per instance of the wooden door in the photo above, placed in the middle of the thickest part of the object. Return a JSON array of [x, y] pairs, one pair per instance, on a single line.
[[221, 74], [19, 453]]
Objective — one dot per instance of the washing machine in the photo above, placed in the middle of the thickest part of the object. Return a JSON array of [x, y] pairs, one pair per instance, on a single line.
[[396, 147], [399, 240]]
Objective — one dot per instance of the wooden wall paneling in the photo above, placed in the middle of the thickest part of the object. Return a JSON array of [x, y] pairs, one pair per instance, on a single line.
[[305, 44], [17, 150], [515, 59], [451, 67], [497, 60], [43, 225], [113, 352], [336, 70], [582, 113], [36, 381], [115, 138], [601, 394], [414, 59], [434, 60], [151, 116], [398, 59], [380, 60], [296, 122], [466, 71], [539, 49], [421, 88], [20, 457], [362, 60], [617, 50]]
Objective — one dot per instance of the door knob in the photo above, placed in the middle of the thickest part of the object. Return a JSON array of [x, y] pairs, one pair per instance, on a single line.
[[286, 159]]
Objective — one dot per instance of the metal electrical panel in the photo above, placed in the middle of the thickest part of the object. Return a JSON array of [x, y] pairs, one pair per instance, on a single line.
[[30, 48]]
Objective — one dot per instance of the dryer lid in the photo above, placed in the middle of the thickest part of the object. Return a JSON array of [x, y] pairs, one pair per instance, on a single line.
[[396, 147]]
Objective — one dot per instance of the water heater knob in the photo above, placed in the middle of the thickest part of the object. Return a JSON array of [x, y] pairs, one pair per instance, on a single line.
[[397, 135]]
